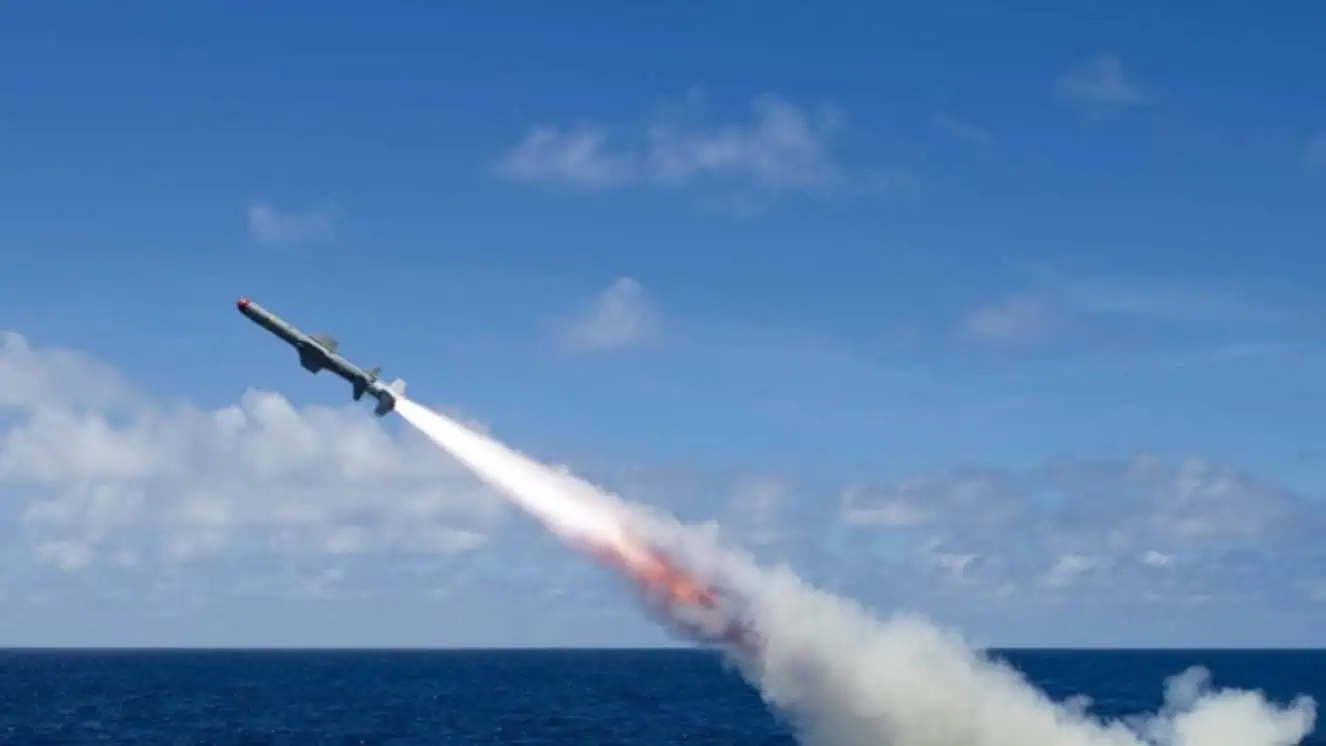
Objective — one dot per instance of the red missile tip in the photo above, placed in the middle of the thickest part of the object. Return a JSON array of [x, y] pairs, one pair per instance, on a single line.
[[242, 303]]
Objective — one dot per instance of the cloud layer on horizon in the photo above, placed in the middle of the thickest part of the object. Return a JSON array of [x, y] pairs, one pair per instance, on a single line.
[[102, 478]]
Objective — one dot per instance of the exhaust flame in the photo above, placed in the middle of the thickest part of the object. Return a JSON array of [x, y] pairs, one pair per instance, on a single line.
[[842, 676]]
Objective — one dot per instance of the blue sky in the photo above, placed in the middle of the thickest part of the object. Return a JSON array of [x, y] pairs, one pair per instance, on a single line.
[[820, 274]]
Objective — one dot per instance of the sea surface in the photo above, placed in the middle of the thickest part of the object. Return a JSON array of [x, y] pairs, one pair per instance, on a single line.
[[537, 698]]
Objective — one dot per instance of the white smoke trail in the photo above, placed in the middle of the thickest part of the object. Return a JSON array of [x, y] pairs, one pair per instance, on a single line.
[[845, 677], [571, 508]]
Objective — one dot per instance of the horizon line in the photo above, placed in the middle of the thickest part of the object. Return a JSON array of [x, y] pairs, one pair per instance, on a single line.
[[604, 648]]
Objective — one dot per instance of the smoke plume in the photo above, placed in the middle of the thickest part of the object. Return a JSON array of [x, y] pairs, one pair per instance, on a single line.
[[842, 675]]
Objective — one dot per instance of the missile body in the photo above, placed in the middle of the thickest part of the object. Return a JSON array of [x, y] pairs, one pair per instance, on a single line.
[[318, 352]]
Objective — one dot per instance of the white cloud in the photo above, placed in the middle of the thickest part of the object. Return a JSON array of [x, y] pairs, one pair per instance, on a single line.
[[1099, 87], [622, 316], [1017, 319], [55, 377], [883, 513], [577, 157], [954, 565], [960, 130], [1052, 301], [272, 227], [1068, 568], [968, 496], [1157, 559], [108, 474], [784, 149], [1126, 528], [1164, 299], [97, 476]]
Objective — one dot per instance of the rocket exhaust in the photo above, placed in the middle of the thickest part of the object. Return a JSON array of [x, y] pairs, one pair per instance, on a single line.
[[588, 521]]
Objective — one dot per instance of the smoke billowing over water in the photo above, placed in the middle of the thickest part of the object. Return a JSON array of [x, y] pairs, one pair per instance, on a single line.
[[846, 677]]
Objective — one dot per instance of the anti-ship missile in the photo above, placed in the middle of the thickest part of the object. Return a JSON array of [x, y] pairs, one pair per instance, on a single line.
[[318, 352]]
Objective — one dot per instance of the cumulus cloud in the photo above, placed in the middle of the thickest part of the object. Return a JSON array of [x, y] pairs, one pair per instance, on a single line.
[[1098, 87], [622, 316], [280, 228], [785, 149], [98, 476], [113, 478], [55, 377], [1128, 528]]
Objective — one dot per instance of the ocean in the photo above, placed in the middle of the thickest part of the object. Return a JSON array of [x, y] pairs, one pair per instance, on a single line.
[[530, 697]]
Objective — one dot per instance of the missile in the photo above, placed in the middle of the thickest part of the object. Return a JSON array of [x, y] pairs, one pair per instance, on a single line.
[[318, 352]]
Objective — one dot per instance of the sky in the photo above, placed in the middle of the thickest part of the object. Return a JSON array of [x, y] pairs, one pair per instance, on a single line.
[[1006, 313]]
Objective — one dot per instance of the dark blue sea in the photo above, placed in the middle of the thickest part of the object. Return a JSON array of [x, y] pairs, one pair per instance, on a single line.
[[644, 698]]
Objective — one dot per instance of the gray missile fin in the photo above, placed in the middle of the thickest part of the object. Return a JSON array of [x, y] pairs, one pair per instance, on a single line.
[[327, 341]]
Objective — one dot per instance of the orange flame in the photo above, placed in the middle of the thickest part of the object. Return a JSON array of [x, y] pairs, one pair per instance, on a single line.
[[657, 575], [651, 570]]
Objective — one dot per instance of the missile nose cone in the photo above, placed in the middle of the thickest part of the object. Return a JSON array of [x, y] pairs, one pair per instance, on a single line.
[[242, 303]]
